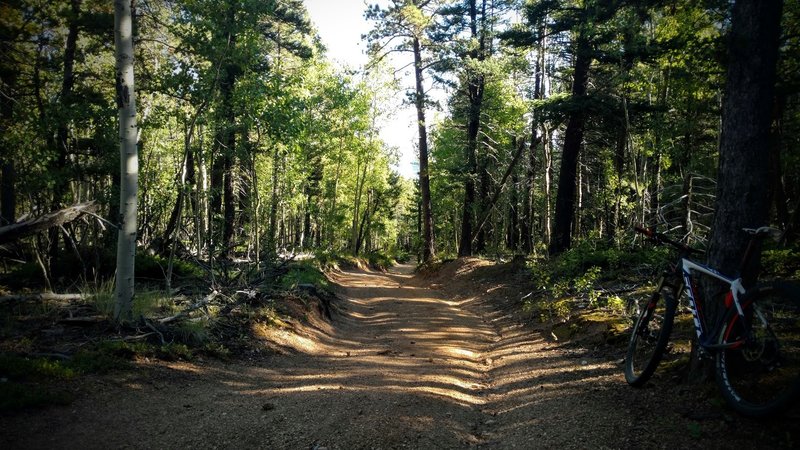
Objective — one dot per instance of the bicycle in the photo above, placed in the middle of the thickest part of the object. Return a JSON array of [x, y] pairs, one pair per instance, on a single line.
[[755, 341]]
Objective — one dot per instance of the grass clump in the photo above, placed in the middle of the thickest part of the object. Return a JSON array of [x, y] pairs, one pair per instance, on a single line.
[[24, 382], [155, 267], [327, 259], [20, 368], [304, 272]]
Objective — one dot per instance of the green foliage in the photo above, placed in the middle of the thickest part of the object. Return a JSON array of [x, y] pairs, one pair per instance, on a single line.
[[784, 263], [194, 332], [216, 350], [309, 272], [402, 256], [19, 368], [115, 355], [578, 273], [29, 381], [549, 309], [610, 260], [155, 267], [615, 303], [101, 295], [146, 303], [103, 358], [380, 261], [327, 259]]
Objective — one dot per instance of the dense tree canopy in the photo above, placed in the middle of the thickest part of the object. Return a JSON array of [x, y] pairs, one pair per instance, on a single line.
[[565, 122]]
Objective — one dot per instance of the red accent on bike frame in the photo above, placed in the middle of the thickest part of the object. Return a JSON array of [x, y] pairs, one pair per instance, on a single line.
[[729, 299], [732, 322], [728, 332]]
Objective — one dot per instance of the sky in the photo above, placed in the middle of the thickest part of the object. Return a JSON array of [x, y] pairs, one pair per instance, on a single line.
[[340, 24]]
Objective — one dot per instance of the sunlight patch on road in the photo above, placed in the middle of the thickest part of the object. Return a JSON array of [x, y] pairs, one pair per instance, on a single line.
[[455, 395], [287, 338], [461, 352]]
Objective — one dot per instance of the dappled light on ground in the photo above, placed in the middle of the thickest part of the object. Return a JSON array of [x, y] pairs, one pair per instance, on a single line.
[[401, 365]]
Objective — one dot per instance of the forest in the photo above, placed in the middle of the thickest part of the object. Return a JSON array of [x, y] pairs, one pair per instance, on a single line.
[[163, 156], [563, 124]]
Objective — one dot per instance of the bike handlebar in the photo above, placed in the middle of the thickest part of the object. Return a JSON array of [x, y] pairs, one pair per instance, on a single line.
[[661, 238]]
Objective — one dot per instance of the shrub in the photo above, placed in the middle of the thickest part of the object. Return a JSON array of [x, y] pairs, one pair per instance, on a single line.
[[380, 261], [304, 272], [155, 267]]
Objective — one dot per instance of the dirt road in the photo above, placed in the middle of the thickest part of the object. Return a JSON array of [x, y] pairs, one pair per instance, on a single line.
[[402, 366]]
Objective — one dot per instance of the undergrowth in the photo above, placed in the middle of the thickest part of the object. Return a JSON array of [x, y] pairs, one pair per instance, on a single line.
[[597, 276], [38, 381], [305, 272], [327, 260], [588, 278]]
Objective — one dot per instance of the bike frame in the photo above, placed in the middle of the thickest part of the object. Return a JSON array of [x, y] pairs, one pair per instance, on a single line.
[[736, 291]]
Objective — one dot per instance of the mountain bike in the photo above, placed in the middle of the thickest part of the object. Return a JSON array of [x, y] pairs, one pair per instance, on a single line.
[[754, 340]]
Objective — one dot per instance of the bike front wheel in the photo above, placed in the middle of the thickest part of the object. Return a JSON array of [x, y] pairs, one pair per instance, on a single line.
[[649, 337], [758, 368]]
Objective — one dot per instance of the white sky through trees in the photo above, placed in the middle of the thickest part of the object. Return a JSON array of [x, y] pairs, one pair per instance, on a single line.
[[340, 24]]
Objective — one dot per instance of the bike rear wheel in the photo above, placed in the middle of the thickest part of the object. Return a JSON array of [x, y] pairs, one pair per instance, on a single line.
[[760, 374], [649, 337]]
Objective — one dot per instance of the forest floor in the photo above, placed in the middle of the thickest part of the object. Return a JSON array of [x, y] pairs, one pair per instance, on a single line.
[[437, 361]]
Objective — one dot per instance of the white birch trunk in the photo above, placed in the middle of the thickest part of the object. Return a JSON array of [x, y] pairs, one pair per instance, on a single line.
[[129, 163]]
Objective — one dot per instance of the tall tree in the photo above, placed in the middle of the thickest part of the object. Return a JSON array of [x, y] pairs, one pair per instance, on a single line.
[[128, 158], [573, 139], [743, 184], [475, 81], [409, 22]]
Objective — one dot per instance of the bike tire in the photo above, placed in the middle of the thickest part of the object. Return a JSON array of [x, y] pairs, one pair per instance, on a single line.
[[761, 376], [649, 337]]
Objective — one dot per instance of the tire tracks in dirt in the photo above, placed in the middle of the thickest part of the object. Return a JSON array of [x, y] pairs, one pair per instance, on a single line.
[[404, 364]]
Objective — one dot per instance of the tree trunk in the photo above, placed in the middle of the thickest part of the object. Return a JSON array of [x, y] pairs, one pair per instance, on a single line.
[[428, 249], [490, 203], [526, 227], [548, 177], [483, 208], [573, 138], [619, 168], [513, 215], [8, 196], [475, 89], [177, 209], [273, 206], [361, 176], [129, 162], [60, 143], [536, 139], [776, 167], [742, 183]]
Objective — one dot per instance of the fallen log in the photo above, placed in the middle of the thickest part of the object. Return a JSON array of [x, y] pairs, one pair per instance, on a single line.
[[10, 233]]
